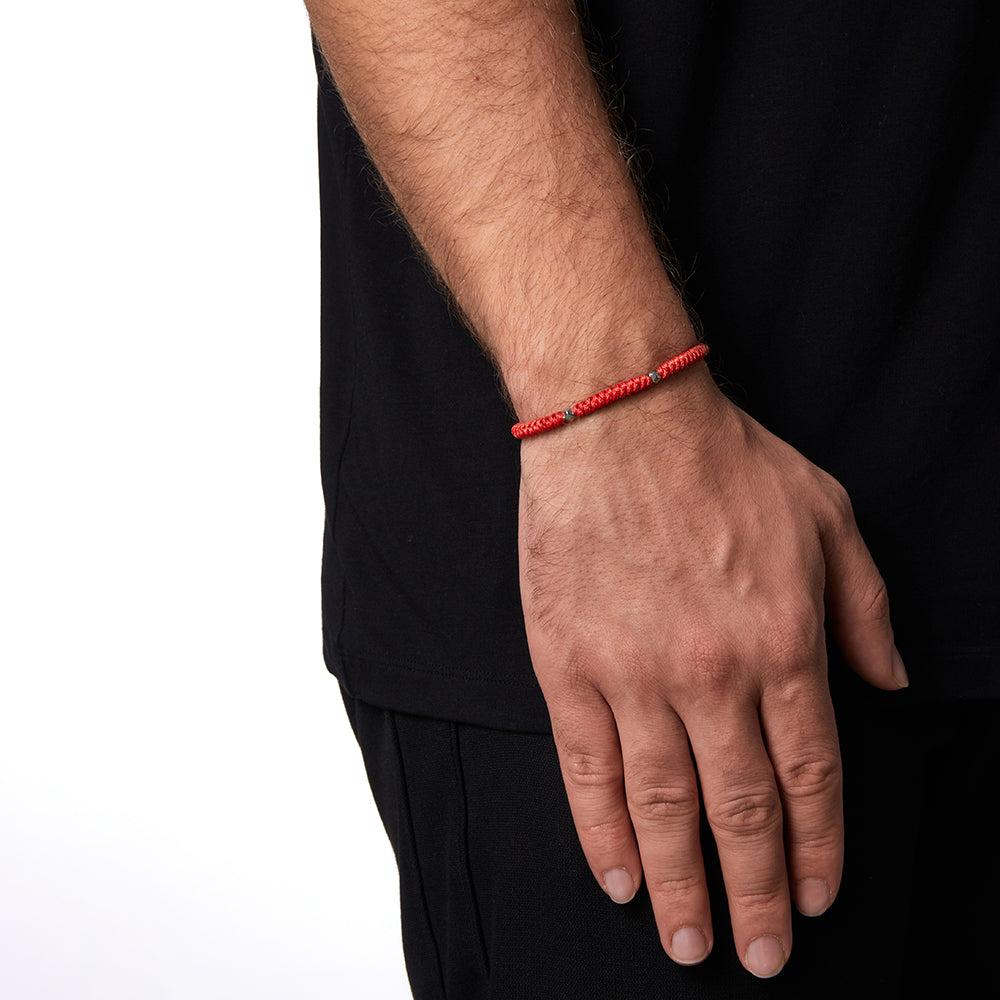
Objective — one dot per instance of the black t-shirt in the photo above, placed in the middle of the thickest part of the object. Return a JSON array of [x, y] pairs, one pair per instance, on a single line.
[[828, 177]]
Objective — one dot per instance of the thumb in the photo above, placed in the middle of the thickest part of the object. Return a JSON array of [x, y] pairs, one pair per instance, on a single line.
[[858, 607]]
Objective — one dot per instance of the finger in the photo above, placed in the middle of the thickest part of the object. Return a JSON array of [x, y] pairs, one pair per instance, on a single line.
[[801, 733], [858, 606], [590, 758], [662, 793], [744, 810]]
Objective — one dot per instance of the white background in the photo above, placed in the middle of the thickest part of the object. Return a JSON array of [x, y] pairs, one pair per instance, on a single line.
[[183, 812]]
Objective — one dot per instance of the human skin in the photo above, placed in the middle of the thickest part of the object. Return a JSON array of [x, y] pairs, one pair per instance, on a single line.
[[677, 560]]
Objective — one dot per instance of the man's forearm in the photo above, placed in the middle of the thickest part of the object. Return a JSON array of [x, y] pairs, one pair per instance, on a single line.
[[486, 123]]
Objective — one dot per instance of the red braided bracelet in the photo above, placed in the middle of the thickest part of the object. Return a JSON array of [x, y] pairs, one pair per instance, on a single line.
[[635, 384]]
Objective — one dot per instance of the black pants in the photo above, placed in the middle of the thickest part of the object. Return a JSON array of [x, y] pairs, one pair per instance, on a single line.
[[497, 900]]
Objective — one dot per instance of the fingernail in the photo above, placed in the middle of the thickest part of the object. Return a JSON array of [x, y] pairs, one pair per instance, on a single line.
[[619, 885], [688, 946], [765, 956], [898, 670], [812, 896]]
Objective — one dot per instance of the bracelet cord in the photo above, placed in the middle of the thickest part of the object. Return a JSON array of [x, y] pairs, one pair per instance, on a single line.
[[610, 395]]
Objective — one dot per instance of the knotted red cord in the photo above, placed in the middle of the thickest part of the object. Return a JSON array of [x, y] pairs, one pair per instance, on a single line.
[[615, 392]]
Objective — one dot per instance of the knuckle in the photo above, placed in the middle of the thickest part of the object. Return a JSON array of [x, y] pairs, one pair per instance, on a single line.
[[811, 776], [764, 895], [586, 769], [632, 676], [821, 846], [713, 664], [679, 887], [612, 836], [659, 803], [838, 498], [795, 641], [576, 662], [875, 603], [610, 830], [747, 813], [834, 509]]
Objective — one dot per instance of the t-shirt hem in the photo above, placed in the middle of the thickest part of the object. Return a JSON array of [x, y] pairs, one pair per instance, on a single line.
[[494, 699]]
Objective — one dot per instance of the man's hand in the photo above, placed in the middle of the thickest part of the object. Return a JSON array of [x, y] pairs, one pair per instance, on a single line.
[[674, 561]]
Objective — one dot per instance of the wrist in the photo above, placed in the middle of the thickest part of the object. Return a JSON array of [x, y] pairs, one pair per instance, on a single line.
[[667, 435]]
